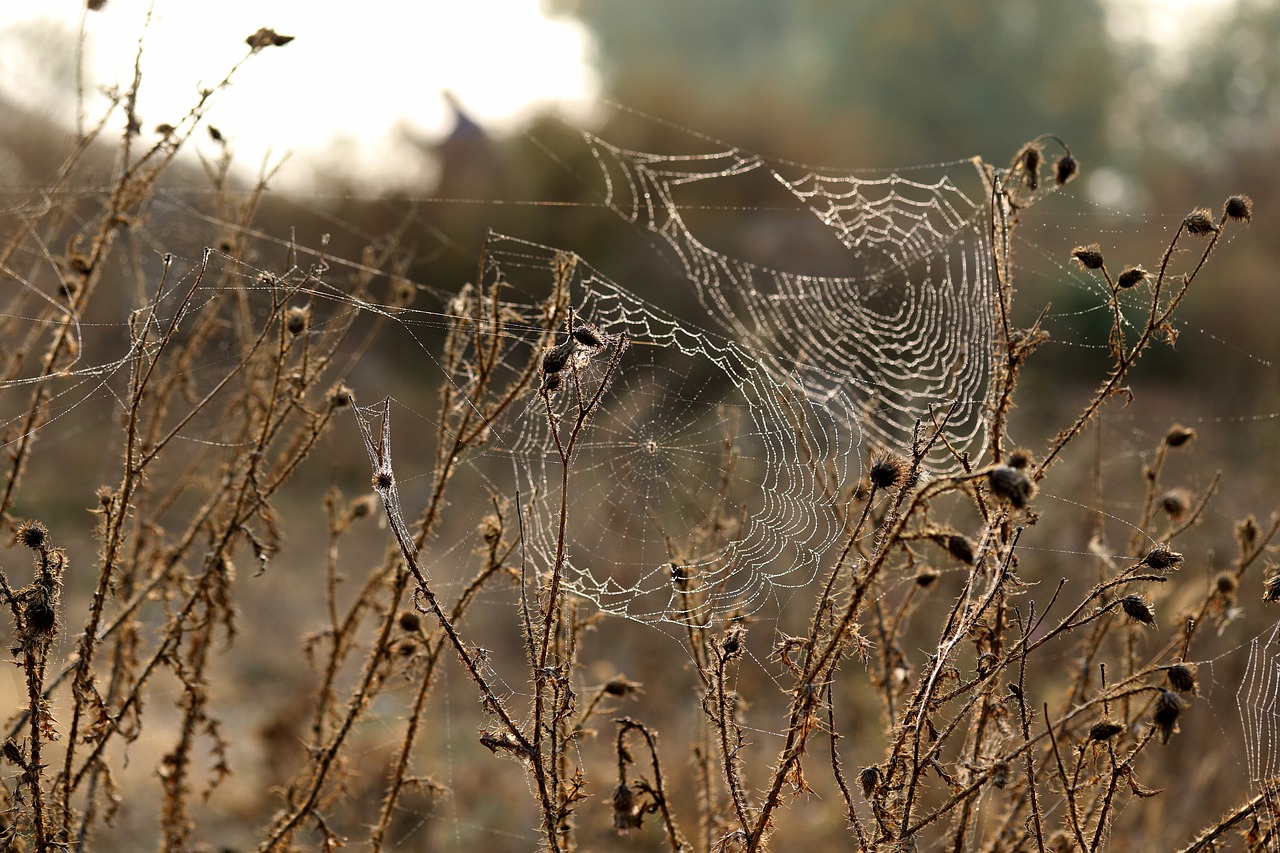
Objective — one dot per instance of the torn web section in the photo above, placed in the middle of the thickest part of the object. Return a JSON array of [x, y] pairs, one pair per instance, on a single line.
[[705, 483], [906, 332]]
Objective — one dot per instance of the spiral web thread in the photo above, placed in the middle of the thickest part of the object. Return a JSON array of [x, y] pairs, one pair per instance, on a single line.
[[707, 484], [1258, 701]]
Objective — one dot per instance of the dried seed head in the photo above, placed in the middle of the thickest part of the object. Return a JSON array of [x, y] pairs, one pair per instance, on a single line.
[[34, 535], [1199, 222], [1239, 208], [588, 336], [1011, 485], [1136, 608], [1182, 678], [39, 618], [1131, 277], [927, 577], [1162, 559], [267, 37], [621, 686], [1000, 774], [961, 547], [869, 779], [362, 506], [383, 479], [1019, 458], [1176, 503], [1065, 169], [1225, 584], [340, 396], [1088, 257], [555, 359], [1105, 730], [406, 648], [1030, 158], [1247, 533], [1169, 706], [888, 472], [296, 319], [732, 644], [625, 814], [1178, 435], [410, 621], [1271, 588]]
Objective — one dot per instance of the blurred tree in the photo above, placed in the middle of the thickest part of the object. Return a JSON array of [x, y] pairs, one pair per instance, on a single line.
[[892, 81]]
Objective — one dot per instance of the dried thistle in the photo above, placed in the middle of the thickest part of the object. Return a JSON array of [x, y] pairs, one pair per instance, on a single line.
[[888, 472], [1131, 277], [1011, 485], [1105, 730], [960, 547], [1199, 222], [1162, 559], [1019, 458], [1178, 435], [869, 779], [296, 319], [1182, 678], [1169, 706], [625, 814], [1065, 169], [1138, 609], [622, 686], [33, 535], [267, 37], [927, 577], [1271, 589], [1238, 208], [1088, 257], [1176, 503]]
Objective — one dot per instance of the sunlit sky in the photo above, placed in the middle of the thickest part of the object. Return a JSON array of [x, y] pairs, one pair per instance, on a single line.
[[356, 75], [357, 71]]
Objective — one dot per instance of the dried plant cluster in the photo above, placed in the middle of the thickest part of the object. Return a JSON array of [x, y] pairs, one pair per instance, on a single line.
[[984, 714]]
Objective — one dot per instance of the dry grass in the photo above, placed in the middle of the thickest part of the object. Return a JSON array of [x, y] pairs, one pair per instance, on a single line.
[[912, 710]]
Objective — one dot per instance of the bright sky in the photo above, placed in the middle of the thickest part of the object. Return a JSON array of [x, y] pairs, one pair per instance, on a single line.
[[356, 71]]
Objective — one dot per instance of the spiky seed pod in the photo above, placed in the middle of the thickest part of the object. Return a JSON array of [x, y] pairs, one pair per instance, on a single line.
[[1138, 610], [34, 535], [888, 472], [1000, 774], [1271, 588], [1239, 208], [1182, 678], [410, 621], [961, 547], [1169, 706], [927, 577], [732, 644], [1088, 257], [1225, 584], [383, 480], [1178, 435], [1065, 169], [1011, 485], [1105, 730], [1131, 277], [1199, 222], [1162, 559], [869, 779], [40, 618]]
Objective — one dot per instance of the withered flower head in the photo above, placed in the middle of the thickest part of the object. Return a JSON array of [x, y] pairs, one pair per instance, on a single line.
[[1065, 169], [625, 814], [1239, 208], [621, 686], [927, 577], [1105, 730], [1271, 589], [410, 621], [1019, 458], [1199, 222], [1175, 503], [1089, 257], [1030, 158], [1136, 608], [1169, 706], [33, 535], [961, 547], [1182, 678], [1011, 485], [296, 319], [555, 359], [1131, 277], [888, 472], [588, 337], [1178, 435], [340, 396], [869, 779], [1162, 559]]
